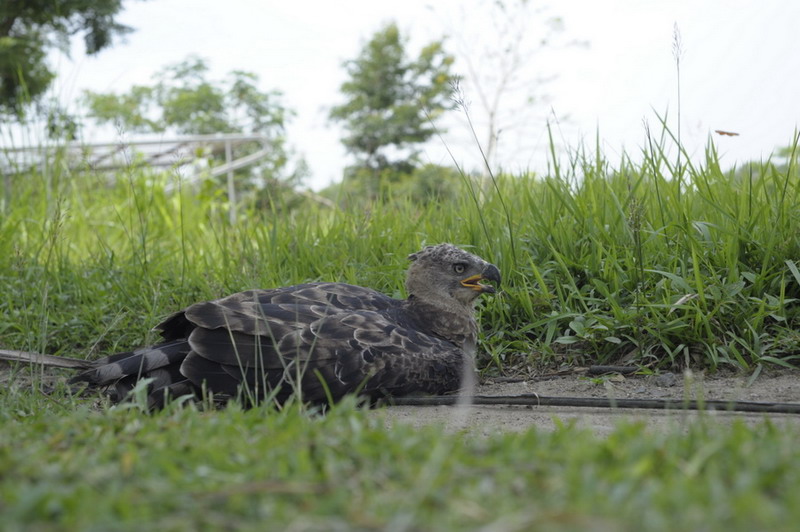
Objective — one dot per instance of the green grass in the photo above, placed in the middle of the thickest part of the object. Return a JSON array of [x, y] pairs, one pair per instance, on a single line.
[[602, 262], [647, 264], [66, 466]]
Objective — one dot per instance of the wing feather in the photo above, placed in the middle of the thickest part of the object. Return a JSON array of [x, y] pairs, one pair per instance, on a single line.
[[137, 364], [316, 339], [343, 352], [200, 370]]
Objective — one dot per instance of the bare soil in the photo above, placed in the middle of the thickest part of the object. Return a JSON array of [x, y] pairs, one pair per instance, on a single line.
[[770, 386]]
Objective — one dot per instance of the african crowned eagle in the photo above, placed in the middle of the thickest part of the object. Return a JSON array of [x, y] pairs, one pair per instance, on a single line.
[[317, 341]]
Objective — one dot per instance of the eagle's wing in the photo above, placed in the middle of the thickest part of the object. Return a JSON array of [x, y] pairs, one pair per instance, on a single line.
[[297, 339], [318, 340], [334, 296], [382, 353], [318, 353]]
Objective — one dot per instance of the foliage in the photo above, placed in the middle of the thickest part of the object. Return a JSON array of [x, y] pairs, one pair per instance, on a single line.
[[184, 100], [791, 154], [606, 258], [423, 185], [66, 466], [629, 264], [30, 28], [656, 264], [392, 101]]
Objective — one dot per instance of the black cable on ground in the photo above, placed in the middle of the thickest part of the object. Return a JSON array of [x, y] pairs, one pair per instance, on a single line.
[[598, 402]]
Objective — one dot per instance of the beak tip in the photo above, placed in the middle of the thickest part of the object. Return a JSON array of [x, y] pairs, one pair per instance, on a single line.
[[492, 274]]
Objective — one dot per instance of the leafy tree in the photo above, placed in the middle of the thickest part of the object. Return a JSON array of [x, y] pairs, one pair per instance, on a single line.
[[184, 101], [30, 28], [391, 101], [423, 186]]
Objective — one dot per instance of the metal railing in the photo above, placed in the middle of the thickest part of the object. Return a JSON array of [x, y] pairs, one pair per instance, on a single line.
[[155, 153]]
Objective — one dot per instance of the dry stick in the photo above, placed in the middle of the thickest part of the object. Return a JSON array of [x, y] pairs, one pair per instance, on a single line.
[[591, 370], [596, 402], [601, 370], [28, 357]]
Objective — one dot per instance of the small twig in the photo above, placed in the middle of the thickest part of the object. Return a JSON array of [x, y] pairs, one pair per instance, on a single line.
[[28, 357], [508, 380], [590, 370], [602, 370], [597, 402]]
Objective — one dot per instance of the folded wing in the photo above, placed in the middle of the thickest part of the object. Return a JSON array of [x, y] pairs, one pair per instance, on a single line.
[[320, 341]]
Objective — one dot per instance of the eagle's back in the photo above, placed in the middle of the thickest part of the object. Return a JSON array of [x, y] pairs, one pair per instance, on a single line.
[[319, 341]]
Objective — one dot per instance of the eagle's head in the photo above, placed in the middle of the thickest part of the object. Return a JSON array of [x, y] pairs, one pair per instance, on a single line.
[[446, 274]]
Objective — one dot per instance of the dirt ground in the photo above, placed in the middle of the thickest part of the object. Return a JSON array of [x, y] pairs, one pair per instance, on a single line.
[[781, 386], [769, 386]]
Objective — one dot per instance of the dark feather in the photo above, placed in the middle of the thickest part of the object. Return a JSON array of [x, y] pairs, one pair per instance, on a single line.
[[319, 341], [197, 369], [139, 363]]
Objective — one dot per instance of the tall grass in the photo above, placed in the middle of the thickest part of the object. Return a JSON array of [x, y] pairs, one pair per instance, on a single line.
[[648, 263], [634, 264]]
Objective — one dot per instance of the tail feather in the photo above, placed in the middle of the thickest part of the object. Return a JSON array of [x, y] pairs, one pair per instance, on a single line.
[[27, 357], [136, 363], [160, 378], [159, 397], [121, 372]]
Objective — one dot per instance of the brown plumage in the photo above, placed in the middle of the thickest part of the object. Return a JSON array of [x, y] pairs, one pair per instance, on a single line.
[[319, 341]]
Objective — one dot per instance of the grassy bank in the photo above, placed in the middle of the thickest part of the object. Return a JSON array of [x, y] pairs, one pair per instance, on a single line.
[[650, 264], [64, 466]]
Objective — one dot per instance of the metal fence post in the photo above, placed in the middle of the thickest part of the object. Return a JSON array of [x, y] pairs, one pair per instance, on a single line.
[[231, 188]]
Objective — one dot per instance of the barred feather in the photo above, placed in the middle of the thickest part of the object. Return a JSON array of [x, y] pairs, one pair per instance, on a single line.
[[318, 340]]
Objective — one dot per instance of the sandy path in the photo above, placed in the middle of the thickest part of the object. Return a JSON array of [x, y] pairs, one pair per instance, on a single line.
[[771, 386], [776, 387]]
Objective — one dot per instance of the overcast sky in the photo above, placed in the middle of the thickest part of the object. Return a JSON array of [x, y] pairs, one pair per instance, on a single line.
[[740, 68]]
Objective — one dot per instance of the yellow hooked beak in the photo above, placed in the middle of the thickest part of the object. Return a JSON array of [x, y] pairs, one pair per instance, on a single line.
[[491, 273]]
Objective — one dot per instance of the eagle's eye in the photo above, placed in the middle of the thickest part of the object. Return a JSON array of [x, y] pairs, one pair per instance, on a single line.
[[459, 268]]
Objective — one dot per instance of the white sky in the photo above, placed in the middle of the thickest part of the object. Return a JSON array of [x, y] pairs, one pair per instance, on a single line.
[[740, 70]]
